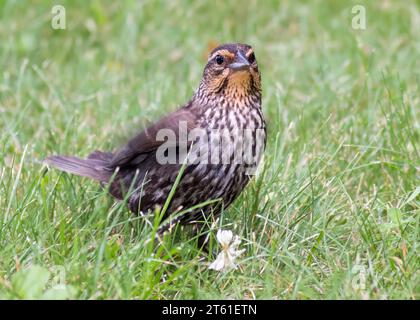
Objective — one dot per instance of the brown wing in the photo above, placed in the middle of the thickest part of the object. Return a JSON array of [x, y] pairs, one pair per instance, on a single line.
[[145, 142]]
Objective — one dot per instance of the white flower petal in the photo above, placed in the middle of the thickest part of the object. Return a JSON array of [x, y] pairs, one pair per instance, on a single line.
[[219, 263], [236, 242], [224, 237], [235, 253], [225, 260]]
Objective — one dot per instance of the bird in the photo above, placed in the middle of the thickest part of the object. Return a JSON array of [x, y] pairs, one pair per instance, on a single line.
[[225, 107]]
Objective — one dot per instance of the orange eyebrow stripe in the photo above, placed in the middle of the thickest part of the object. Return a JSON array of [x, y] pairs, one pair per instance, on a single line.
[[224, 53], [248, 53]]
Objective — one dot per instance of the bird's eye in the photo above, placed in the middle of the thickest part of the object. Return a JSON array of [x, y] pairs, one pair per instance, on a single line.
[[251, 58], [219, 59]]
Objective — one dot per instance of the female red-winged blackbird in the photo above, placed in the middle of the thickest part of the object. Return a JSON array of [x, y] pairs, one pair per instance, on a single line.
[[225, 137]]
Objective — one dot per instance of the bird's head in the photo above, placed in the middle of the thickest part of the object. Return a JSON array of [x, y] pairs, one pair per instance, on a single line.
[[232, 70]]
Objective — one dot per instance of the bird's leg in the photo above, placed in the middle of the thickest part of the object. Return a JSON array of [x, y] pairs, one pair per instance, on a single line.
[[202, 231]]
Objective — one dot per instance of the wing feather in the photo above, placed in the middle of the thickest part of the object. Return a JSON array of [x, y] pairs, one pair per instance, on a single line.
[[146, 142]]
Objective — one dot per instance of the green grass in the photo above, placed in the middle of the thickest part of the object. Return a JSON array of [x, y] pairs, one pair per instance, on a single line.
[[334, 214]]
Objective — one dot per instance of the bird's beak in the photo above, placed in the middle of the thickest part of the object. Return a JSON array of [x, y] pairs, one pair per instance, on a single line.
[[240, 63]]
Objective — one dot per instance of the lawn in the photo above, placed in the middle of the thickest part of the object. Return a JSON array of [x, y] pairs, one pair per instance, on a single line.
[[334, 212]]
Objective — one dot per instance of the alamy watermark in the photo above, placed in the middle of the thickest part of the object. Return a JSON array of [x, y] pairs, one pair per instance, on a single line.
[[358, 22], [58, 17], [215, 147]]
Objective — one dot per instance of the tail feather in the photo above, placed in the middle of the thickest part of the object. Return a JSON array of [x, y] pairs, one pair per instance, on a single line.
[[95, 166]]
